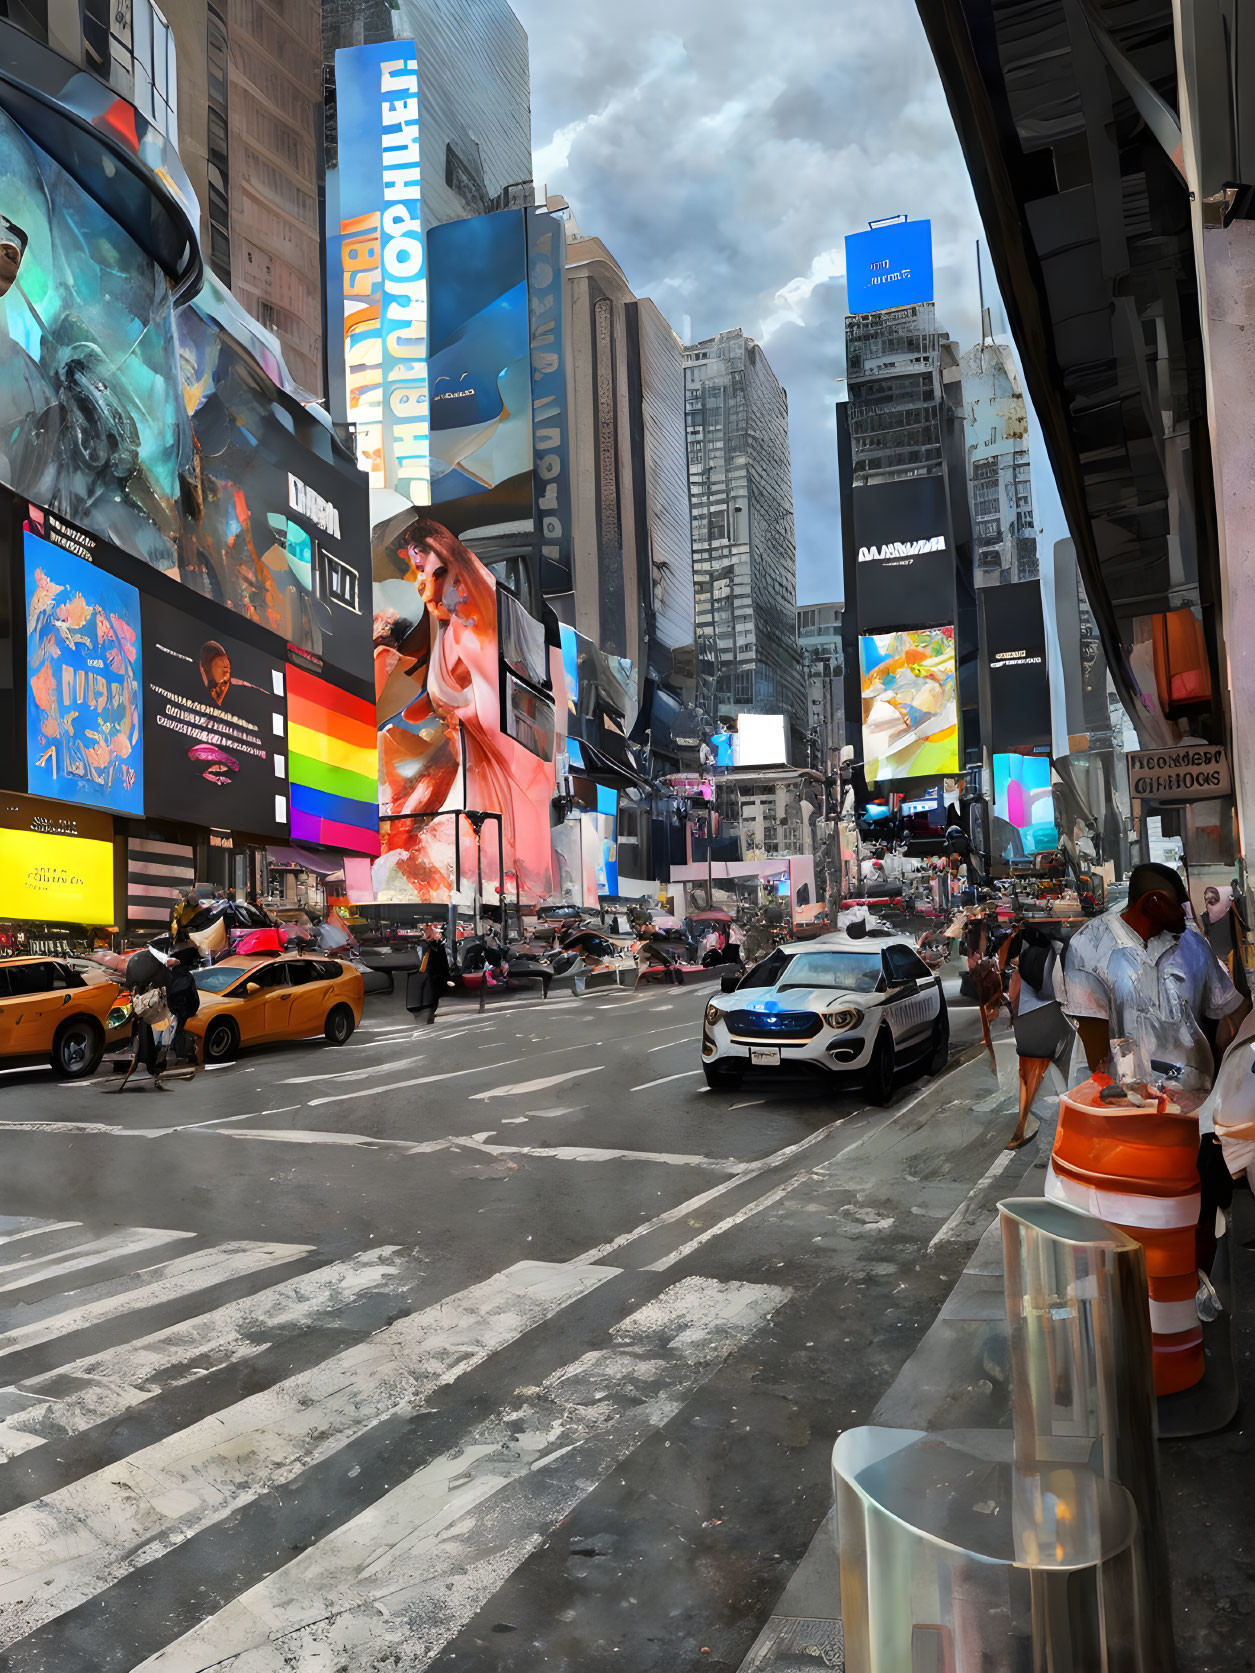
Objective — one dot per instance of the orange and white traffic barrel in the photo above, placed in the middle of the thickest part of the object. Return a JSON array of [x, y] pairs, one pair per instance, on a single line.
[[1137, 1168]]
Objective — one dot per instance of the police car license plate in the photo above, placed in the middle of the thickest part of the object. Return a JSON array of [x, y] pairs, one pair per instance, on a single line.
[[765, 1056]]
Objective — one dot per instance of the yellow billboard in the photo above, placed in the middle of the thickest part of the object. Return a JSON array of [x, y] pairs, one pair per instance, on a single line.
[[55, 879]]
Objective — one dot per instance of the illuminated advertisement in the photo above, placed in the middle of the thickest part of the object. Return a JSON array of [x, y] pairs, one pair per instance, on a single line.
[[377, 270], [439, 707], [889, 266], [333, 765], [214, 726], [158, 431], [905, 556], [546, 268], [1014, 636], [57, 879], [910, 712], [1024, 808], [84, 675], [479, 372]]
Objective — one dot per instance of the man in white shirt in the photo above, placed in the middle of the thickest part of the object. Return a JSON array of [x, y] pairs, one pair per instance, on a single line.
[[1141, 974]]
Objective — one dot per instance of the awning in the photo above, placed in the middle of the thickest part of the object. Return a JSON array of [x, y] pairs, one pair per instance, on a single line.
[[323, 865]]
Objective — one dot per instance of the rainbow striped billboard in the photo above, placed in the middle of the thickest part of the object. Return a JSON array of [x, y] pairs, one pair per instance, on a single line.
[[333, 771]]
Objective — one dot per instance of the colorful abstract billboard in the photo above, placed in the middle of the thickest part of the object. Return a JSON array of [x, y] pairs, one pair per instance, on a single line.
[[154, 428], [215, 747], [1024, 808], [442, 743], [332, 764], [84, 673], [377, 269], [910, 709], [480, 374], [889, 266]]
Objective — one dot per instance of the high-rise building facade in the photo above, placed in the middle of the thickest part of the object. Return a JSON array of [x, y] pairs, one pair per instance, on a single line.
[[819, 636], [474, 95], [999, 482], [744, 549]]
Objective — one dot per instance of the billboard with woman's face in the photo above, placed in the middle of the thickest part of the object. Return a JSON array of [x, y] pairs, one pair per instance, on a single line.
[[442, 744]]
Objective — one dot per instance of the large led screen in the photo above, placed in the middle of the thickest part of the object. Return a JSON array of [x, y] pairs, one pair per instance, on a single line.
[[215, 743], [84, 676], [55, 879], [889, 266], [1024, 808], [335, 782], [910, 707], [1015, 656], [906, 566]]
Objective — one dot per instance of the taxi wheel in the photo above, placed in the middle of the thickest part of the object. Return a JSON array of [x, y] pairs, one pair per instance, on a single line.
[[339, 1025], [77, 1048], [722, 1077], [222, 1040], [878, 1080]]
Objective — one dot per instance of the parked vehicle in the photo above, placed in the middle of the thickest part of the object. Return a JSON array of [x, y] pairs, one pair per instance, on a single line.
[[250, 1001], [838, 1006], [53, 1012]]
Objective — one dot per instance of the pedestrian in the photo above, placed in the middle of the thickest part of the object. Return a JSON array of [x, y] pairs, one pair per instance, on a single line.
[[1042, 1032], [146, 978], [186, 908], [426, 986], [1225, 930], [183, 1001]]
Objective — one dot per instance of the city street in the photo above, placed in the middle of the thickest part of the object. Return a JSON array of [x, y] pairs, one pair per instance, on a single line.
[[501, 1343]]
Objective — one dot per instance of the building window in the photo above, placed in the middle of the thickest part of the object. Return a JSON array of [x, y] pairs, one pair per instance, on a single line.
[[718, 525], [219, 207], [337, 581]]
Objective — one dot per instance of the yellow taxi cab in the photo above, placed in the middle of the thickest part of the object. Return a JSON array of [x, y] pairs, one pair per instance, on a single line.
[[51, 1011], [251, 1001]]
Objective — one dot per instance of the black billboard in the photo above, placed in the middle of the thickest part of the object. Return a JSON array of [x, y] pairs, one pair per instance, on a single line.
[[1013, 640], [904, 552], [215, 724]]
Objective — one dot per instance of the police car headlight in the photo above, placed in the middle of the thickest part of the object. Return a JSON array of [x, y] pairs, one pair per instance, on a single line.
[[842, 1019], [713, 1013]]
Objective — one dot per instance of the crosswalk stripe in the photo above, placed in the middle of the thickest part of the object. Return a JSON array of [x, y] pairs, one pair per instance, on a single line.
[[131, 1240], [59, 1551], [152, 1286], [39, 1228], [394, 1584], [102, 1386]]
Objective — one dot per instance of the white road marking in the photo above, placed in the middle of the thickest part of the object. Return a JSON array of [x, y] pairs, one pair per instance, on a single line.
[[543, 1085], [749, 1104], [398, 1581], [149, 1287], [587, 1153], [646, 1084], [131, 1240], [755, 1207], [1003, 1159], [102, 1386], [420, 1080], [354, 1074], [669, 1045], [61, 1550], [39, 1228], [563, 1109]]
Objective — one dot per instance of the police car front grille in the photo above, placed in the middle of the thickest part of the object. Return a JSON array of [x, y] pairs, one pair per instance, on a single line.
[[774, 1025]]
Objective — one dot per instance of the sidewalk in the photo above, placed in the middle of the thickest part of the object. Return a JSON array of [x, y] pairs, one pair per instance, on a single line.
[[959, 1377]]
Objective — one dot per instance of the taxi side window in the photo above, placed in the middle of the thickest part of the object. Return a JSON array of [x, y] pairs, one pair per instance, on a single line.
[[301, 971], [902, 964], [270, 976], [41, 977], [325, 969]]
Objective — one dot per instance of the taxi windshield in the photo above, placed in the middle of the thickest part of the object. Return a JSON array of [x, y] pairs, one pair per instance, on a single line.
[[217, 980], [854, 972]]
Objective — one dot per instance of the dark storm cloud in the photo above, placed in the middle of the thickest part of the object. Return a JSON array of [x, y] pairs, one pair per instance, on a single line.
[[722, 151]]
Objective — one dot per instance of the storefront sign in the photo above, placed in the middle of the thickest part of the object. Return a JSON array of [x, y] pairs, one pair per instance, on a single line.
[[55, 879], [1188, 773], [214, 727]]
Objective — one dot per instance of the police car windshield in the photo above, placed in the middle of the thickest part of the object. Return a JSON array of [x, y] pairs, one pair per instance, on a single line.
[[853, 972]]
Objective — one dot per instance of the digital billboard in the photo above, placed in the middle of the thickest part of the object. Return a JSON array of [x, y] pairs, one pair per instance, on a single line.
[[377, 269], [1014, 636], [442, 744], [551, 474], [333, 765], [1024, 809], [889, 266], [157, 430], [906, 566], [84, 676], [55, 879], [215, 744], [910, 707]]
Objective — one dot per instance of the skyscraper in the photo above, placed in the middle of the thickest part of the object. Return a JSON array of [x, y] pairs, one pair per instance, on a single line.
[[744, 551], [999, 485]]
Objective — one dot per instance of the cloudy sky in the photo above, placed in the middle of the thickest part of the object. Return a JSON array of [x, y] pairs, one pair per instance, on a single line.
[[722, 150]]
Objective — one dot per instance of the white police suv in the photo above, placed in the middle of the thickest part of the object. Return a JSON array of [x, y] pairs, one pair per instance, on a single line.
[[839, 1005]]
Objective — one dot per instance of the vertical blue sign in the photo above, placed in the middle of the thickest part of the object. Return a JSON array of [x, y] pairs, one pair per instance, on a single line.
[[889, 267]]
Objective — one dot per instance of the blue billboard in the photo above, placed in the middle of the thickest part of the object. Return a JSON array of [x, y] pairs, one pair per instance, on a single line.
[[889, 266]]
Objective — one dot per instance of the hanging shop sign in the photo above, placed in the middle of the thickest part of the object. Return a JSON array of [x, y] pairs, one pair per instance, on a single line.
[[1187, 773]]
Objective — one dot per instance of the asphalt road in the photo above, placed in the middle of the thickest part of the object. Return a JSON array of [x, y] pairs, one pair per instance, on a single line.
[[500, 1344]]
